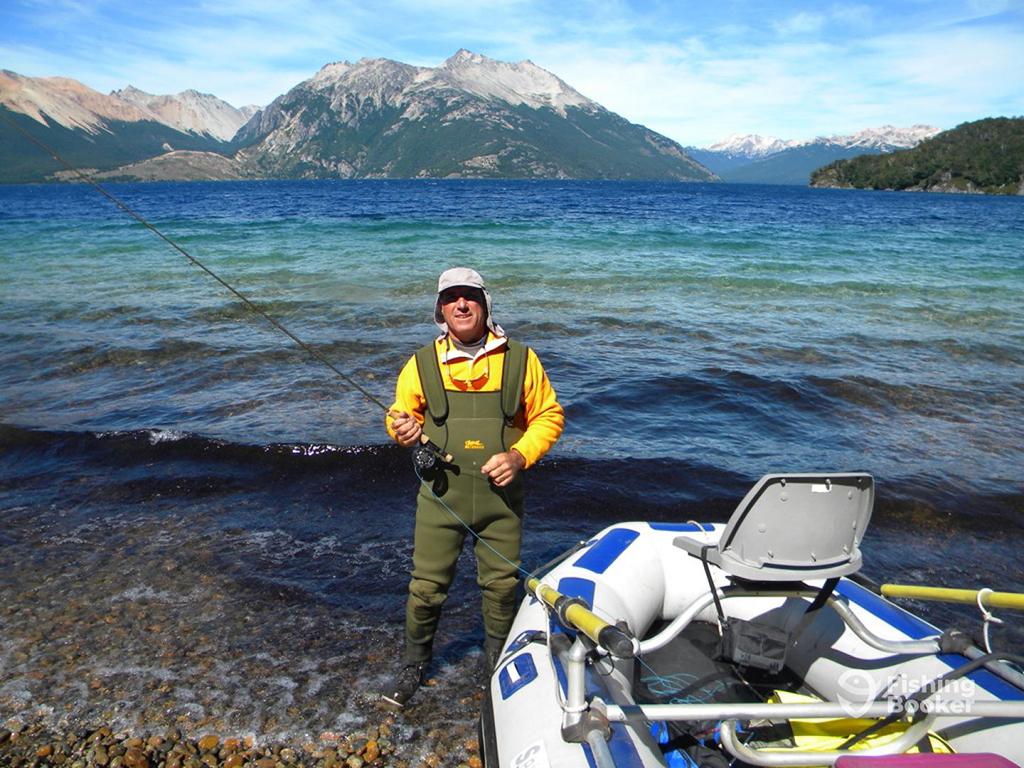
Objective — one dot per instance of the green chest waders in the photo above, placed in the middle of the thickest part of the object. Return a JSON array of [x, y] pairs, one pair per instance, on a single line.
[[472, 427]]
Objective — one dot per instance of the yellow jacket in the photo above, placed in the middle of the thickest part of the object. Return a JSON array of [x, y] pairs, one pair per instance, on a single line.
[[541, 418]]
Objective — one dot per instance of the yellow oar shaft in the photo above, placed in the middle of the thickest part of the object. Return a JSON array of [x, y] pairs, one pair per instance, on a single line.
[[608, 636], [585, 621], [989, 599]]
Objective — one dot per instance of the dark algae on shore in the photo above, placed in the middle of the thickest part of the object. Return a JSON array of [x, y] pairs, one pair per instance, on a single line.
[[203, 534]]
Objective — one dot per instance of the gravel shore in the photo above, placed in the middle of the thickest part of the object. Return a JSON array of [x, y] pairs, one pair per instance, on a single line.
[[32, 745], [146, 644]]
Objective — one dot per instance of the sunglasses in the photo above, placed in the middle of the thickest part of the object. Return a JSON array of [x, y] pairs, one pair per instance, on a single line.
[[451, 295]]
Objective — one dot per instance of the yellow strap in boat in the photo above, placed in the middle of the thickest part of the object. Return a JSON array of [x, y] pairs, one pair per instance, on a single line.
[[828, 734], [990, 599]]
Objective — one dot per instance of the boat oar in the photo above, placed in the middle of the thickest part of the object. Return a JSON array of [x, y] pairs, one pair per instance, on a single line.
[[986, 597], [574, 613]]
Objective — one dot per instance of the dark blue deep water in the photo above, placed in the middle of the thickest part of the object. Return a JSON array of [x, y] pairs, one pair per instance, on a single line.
[[169, 460]]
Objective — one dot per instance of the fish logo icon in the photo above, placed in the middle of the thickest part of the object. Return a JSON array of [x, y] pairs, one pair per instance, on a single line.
[[856, 692]]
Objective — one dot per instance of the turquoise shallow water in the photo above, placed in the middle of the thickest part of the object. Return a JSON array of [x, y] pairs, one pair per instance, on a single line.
[[745, 327], [698, 336]]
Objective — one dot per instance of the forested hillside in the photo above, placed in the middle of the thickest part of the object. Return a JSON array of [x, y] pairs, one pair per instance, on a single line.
[[984, 156]]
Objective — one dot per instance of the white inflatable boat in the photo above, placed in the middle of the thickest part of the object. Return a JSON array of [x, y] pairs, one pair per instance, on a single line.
[[749, 643]]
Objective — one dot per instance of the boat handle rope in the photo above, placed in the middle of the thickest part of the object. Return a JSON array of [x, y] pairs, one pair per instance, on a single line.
[[987, 618]]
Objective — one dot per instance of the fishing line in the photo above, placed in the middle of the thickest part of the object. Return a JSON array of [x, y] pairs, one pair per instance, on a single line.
[[195, 262], [426, 445]]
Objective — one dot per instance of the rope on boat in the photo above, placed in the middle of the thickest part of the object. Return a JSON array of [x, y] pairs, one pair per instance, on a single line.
[[931, 688]]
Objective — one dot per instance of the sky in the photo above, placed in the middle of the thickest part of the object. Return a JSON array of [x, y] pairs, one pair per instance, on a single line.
[[695, 71]]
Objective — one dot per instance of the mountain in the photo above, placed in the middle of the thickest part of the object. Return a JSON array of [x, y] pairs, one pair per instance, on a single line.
[[985, 156], [736, 150], [768, 160], [89, 129], [191, 112], [471, 117]]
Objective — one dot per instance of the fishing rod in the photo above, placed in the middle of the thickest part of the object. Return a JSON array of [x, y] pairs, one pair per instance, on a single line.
[[425, 454]]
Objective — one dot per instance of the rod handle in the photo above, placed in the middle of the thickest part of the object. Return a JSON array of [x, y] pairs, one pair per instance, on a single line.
[[425, 440]]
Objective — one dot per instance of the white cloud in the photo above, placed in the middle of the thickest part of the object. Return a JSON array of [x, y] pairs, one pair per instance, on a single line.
[[695, 75], [800, 24]]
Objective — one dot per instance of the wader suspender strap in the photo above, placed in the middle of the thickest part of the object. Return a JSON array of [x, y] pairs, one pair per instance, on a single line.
[[513, 375], [433, 386]]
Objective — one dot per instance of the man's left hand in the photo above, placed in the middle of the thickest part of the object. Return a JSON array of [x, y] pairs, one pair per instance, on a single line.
[[502, 468]]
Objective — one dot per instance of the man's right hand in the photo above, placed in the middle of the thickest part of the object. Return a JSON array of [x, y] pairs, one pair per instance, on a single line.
[[407, 430]]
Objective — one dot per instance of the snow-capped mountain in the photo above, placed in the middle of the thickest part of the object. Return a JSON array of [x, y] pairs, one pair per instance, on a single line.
[[766, 159], [190, 112], [748, 146], [470, 116], [885, 139]]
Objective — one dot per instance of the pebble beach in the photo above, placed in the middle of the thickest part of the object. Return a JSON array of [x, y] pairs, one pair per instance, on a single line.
[[133, 653]]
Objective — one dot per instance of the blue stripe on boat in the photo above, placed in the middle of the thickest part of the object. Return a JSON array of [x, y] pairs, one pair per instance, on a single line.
[[622, 747], [917, 628], [605, 551], [681, 527], [573, 586]]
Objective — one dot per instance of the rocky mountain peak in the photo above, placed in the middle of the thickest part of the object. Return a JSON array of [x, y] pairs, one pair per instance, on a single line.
[[465, 117], [386, 81], [516, 83], [63, 101], [189, 111]]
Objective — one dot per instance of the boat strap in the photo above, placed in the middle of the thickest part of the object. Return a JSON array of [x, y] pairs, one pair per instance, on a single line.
[[823, 595], [711, 584], [525, 638], [748, 643]]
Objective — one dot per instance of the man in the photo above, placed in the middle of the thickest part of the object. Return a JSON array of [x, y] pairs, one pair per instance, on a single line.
[[487, 402]]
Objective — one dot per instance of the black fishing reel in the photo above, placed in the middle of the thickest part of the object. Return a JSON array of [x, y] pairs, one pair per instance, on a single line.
[[424, 458]]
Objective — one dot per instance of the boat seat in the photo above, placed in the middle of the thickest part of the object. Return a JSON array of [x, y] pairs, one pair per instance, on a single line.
[[792, 528]]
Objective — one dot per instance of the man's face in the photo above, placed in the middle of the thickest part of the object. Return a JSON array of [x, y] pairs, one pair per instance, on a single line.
[[463, 310]]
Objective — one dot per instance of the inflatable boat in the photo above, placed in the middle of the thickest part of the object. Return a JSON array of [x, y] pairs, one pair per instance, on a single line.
[[755, 642]]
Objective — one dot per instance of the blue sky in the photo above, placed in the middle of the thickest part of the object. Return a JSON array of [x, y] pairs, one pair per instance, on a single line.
[[694, 71]]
